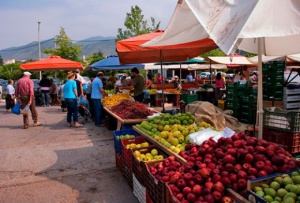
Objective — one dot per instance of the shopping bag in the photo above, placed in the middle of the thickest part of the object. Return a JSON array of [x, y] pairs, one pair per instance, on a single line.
[[16, 109], [25, 110]]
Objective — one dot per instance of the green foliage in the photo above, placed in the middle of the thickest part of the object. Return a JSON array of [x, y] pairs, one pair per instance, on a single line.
[[215, 52], [66, 48], [1, 60], [11, 71], [136, 25]]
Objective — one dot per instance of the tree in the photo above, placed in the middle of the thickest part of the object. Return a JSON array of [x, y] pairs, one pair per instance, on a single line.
[[1, 60], [11, 71], [136, 25], [66, 48]]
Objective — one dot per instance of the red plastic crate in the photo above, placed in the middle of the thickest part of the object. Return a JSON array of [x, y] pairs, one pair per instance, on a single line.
[[127, 153], [148, 198], [289, 140], [155, 188], [119, 163], [139, 167]]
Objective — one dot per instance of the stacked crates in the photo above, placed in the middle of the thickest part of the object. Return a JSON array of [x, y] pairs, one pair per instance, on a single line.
[[273, 80], [239, 100]]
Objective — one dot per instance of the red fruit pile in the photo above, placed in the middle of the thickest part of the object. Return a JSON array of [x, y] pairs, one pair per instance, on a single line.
[[228, 163], [128, 109]]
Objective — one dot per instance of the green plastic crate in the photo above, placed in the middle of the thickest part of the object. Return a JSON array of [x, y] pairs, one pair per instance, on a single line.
[[189, 98]]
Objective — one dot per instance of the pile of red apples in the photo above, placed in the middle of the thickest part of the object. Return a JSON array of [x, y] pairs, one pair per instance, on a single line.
[[227, 163]]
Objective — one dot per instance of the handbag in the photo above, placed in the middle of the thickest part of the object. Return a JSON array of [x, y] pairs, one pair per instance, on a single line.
[[16, 109]]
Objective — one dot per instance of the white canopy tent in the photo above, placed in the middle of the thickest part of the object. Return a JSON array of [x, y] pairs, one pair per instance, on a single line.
[[269, 27], [228, 60]]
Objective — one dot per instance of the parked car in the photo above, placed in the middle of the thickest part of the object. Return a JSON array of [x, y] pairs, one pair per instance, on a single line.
[[3, 83], [205, 75]]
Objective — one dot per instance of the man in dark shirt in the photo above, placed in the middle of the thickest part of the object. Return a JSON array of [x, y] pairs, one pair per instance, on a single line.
[[138, 85]]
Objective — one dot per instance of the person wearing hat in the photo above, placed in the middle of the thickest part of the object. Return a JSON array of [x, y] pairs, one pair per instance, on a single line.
[[177, 85], [25, 94]]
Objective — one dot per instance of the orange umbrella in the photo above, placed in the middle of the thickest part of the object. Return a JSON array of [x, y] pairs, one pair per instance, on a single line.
[[130, 51], [52, 63]]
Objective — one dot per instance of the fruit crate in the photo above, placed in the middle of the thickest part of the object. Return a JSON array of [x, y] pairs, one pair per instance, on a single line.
[[170, 197], [128, 176], [189, 98], [155, 188], [148, 198], [127, 153], [283, 120], [117, 142], [119, 162], [139, 167], [289, 140], [139, 190]]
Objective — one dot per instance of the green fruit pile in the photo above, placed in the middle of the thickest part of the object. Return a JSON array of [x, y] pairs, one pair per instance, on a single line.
[[149, 156], [152, 91], [172, 130], [284, 189], [120, 137]]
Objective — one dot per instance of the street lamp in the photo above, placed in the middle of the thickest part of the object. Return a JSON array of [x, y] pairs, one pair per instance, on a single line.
[[40, 57]]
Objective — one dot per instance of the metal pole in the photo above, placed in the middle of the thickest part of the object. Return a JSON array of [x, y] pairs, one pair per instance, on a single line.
[[260, 90], [40, 56]]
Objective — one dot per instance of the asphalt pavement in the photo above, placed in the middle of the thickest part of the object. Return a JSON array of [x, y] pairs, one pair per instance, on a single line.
[[56, 163]]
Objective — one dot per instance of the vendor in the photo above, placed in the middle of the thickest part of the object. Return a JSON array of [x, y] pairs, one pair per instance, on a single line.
[[246, 73], [219, 85], [148, 85], [120, 84], [137, 84], [177, 85]]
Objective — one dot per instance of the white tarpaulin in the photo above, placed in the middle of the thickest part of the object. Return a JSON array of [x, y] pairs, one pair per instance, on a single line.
[[152, 66], [294, 57], [269, 27], [236, 60], [207, 66]]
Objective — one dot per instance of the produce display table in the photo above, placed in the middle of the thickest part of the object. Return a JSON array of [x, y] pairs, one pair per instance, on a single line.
[[121, 121], [156, 99], [160, 146]]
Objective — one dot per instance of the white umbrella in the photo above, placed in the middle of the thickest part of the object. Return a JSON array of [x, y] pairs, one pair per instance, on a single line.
[[269, 27]]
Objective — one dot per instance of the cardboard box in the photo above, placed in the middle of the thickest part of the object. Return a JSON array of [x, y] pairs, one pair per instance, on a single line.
[[279, 104]]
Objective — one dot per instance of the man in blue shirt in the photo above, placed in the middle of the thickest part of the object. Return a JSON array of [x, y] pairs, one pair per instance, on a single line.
[[189, 78], [97, 95]]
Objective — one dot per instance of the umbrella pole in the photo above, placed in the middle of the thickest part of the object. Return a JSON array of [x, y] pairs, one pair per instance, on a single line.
[[210, 70], [163, 95], [260, 93], [180, 73]]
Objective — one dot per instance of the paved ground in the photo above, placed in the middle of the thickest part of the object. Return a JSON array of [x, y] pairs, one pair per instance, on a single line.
[[54, 163]]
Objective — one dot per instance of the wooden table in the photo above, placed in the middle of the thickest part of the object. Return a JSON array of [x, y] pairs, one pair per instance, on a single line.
[[156, 99], [121, 121], [160, 146]]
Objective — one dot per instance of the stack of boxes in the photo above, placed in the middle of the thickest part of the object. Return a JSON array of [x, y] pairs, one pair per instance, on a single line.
[[241, 99], [291, 97], [273, 80]]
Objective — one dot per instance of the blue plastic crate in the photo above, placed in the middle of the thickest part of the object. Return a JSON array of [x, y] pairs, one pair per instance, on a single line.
[[117, 142]]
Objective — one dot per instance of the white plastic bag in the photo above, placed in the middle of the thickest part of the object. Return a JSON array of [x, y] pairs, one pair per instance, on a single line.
[[200, 136], [25, 110]]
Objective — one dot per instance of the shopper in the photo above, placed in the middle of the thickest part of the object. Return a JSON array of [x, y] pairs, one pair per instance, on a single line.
[[137, 84], [25, 94], [148, 85], [79, 77], [219, 85], [88, 97], [71, 96], [246, 73], [177, 85], [189, 78], [53, 92], [10, 95], [61, 97], [97, 94], [45, 87]]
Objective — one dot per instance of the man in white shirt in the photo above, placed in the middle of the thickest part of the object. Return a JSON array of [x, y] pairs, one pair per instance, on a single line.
[[79, 77], [10, 97]]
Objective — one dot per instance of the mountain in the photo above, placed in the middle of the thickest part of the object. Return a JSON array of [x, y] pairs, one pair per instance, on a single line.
[[89, 46]]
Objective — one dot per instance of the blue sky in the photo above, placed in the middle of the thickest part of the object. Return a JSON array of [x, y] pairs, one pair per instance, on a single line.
[[81, 19]]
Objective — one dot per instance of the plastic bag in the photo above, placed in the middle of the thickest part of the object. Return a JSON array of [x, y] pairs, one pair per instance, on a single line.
[[16, 109], [25, 110], [200, 136]]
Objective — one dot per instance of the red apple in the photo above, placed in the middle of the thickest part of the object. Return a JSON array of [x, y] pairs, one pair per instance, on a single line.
[[252, 171], [181, 183], [187, 176], [242, 184], [218, 186], [237, 167], [227, 199], [242, 175], [179, 196], [197, 189], [259, 165], [187, 190], [191, 197], [262, 173], [228, 159], [217, 195], [249, 158]]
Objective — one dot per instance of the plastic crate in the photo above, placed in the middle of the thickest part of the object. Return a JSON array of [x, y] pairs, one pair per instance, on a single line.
[[119, 162], [278, 119], [148, 198], [128, 176], [155, 188], [127, 153], [117, 142], [139, 190], [189, 98], [289, 140], [139, 167]]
